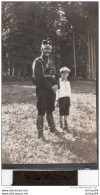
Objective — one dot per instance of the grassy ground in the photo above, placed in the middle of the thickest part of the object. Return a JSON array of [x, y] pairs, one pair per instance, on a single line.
[[20, 144]]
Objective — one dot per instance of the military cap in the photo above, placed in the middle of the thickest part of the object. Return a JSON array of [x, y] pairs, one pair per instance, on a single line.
[[46, 44]]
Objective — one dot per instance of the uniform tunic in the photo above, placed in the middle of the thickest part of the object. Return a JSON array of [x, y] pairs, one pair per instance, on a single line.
[[45, 77]]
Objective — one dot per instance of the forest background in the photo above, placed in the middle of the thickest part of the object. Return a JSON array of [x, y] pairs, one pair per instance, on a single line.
[[72, 26]]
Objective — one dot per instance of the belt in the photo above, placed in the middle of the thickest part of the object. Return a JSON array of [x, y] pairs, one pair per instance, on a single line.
[[50, 76]]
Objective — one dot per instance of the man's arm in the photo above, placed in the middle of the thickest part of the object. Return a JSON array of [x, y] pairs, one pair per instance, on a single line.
[[70, 92]]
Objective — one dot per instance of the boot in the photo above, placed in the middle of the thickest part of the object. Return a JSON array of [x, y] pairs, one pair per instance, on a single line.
[[40, 126], [51, 123]]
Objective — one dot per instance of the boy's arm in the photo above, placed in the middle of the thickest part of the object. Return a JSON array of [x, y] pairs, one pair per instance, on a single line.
[[57, 95], [70, 92]]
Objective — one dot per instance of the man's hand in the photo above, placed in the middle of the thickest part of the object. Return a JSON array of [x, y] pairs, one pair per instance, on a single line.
[[55, 88]]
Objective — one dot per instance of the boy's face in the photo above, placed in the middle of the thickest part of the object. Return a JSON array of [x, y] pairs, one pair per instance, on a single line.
[[64, 75]]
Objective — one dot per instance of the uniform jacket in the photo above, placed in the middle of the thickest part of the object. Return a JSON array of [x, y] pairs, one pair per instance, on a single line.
[[44, 73]]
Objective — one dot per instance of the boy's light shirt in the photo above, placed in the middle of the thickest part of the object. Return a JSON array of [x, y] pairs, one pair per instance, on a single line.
[[65, 89]]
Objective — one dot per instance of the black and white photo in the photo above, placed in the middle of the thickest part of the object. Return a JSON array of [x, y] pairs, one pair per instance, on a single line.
[[50, 84]]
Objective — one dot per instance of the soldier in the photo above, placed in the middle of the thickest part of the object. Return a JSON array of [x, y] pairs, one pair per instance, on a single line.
[[46, 86]]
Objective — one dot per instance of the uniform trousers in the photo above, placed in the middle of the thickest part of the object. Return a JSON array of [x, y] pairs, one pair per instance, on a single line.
[[45, 101]]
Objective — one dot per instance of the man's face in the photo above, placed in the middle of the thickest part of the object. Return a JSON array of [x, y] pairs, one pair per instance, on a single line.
[[46, 50]]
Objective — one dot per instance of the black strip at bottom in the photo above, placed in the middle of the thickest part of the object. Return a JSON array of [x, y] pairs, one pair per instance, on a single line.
[[45, 178], [54, 167]]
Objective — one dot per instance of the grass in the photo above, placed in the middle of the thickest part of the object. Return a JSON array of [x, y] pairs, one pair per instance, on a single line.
[[20, 144]]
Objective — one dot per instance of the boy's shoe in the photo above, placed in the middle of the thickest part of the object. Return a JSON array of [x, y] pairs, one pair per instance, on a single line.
[[66, 128]]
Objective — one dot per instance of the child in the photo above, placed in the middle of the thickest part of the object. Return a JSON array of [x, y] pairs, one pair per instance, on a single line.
[[63, 96]]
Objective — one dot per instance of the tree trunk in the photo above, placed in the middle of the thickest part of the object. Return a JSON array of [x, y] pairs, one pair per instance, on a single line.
[[94, 59], [74, 53], [88, 68]]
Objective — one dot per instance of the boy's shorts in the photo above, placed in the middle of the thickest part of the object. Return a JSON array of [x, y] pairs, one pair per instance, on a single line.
[[64, 104]]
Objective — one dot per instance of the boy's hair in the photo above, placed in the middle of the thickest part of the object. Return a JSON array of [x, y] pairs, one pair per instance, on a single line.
[[65, 69]]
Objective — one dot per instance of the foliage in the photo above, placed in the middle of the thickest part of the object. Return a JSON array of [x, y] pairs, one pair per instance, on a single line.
[[25, 24]]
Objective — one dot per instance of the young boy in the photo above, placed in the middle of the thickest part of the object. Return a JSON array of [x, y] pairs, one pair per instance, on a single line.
[[63, 95]]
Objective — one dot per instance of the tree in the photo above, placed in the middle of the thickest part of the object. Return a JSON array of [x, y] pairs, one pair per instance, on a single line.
[[68, 24]]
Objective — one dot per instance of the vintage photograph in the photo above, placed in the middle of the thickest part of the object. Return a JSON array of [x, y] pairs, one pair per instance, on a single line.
[[49, 83]]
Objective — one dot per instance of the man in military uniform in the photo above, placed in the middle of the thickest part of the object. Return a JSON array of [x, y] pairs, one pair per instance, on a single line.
[[46, 86]]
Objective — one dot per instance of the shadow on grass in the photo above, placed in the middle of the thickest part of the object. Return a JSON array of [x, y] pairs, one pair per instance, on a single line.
[[18, 94], [84, 87], [84, 150], [22, 92]]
